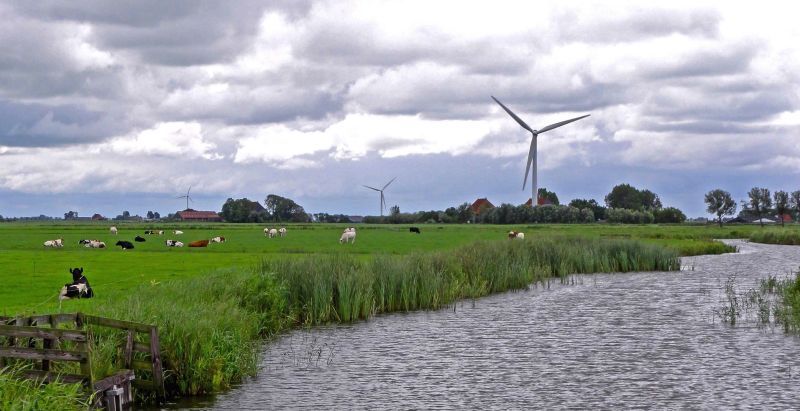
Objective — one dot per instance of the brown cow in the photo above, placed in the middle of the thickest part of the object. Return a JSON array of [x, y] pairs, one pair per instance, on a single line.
[[199, 243]]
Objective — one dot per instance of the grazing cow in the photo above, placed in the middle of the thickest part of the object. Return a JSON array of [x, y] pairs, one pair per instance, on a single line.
[[58, 242], [113, 230], [219, 239], [516, 234], [126, 245], [78, 288], [282, 231], [139, 239], [95, 244], [348, 236], [272, 233], [414, 230], [160, 232], [173, 243], [177, 232], [353, 229], [84, 242], [266, 232], [199, 243]]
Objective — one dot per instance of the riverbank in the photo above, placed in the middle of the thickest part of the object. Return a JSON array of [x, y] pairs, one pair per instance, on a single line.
[[208, 325]]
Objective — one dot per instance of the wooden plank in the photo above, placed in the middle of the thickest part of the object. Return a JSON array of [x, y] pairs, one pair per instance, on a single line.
[[37, 354], [47, 333], [141, 365], [51, 377], [155, 357], [46, 344], [57, 319], [120, 378], [128, 353], [122, 325], [141, 347]]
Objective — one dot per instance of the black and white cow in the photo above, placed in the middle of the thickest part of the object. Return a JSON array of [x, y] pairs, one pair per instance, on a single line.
[[78, 288], [414, 230], [139, 239], [173, 243]]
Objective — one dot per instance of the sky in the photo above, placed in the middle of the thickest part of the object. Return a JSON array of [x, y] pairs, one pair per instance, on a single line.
[[112, 106]]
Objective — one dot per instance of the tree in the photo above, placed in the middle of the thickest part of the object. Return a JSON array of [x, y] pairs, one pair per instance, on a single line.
[[624, 196], [243, 211], [781, 203], [794, 203], [720, 203], [547, 196], [760, 201], [284, 209], [71, 215], [150, 215], [394, 210], [650, 200], [156, 215], [669, 215], [598, 210], [126, 214]]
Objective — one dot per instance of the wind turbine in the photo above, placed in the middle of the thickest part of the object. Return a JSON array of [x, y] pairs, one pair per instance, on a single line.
[[383, 199], [532, 152], [186, 196]]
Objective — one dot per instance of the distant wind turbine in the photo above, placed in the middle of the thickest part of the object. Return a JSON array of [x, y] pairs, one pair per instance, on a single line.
[[186, 196], [532, 152], [383, 199]]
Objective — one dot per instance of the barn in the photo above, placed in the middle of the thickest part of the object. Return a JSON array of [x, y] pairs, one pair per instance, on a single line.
[[194, 215], [480, 205]]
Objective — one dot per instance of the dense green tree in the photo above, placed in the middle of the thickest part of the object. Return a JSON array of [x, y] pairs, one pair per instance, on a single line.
[[759, 202], [720, 203], [243, 210], [668, 215], [781, 204], [598, 211], [71, 215], [548, 196], [628, 196], [156, 215], [285, 209], [150, 215], [794, 202], [650, 200]]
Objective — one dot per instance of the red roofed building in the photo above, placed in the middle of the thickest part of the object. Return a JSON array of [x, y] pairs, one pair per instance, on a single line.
[[480, 205], [193, 215], [540, 201], [786, 218]]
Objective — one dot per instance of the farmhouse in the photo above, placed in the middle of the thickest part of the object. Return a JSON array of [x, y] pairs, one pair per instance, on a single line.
[[194, 215], [98, 217], [480, 205], [539, 201]]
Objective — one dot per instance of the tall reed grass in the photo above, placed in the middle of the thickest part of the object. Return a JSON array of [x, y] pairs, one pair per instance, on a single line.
[[17, 394], [775, 236]]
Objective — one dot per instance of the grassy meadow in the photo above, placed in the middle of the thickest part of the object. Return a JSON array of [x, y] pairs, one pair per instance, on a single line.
[[39, 272]]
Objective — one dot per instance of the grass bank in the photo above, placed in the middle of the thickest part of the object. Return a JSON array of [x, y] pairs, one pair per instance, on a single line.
[[776, 236], [26, 395], [210, 326]]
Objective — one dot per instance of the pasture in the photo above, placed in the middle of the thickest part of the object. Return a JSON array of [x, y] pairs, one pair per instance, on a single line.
[[34, 274]]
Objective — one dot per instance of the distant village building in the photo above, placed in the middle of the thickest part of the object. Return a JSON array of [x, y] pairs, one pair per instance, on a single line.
[[194, 215], [539, 201], [98, 217], [785, 217], [480, 205]]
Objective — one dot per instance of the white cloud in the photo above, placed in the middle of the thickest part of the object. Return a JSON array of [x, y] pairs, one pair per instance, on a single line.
[[174, 139]]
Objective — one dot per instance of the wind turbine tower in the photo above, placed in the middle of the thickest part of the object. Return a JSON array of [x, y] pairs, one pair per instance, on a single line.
[[383, 199], [532, 151], [186, 196]]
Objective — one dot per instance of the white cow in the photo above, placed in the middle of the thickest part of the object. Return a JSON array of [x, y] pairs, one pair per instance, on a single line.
[[348, 236], [219, 239], [266, 232], [282, 231], [58, 242], [177, 232], [516, 234], [81, 289], [272, 232], [113, 230]]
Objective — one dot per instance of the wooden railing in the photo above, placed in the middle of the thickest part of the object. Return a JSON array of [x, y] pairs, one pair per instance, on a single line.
[[21, 336]]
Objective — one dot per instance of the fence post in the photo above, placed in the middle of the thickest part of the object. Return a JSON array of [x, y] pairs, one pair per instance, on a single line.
[[155, 355], [129, 349]]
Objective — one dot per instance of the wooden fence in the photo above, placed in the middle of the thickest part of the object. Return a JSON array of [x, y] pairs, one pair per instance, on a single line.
[[23, 333]]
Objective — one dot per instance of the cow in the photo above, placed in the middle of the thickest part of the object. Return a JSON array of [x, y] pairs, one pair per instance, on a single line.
[[58, 242], [160, 232], [199, 243], [126, 245], [78, 288], [173, 243], [282, 231], [219, 239], [516, 234], [414, 230], [272, 233], [149, 232], [266, 232], [113, 230], [177, 232], [348, 236], [84, 242], [95, 244], [139, 239]]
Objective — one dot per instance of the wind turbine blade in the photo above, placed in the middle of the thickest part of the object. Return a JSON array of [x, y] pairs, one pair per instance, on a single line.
[[530, 160], [383, 202], [387, 184], [514, 116], [561, 123], [372, 188]]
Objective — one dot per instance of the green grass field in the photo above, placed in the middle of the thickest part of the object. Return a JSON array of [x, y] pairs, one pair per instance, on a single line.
[[37, 273]]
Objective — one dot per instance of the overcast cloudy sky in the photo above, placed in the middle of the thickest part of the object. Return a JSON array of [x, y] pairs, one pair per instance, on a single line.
[[112, 106]]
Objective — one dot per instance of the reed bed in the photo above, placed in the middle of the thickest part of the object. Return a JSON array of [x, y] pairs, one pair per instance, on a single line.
[[774, 236], [17, 394]]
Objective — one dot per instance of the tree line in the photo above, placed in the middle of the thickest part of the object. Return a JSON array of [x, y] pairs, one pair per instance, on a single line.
[[758, 205]]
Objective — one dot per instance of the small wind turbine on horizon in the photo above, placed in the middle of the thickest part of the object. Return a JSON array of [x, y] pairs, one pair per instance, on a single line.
[[383, 199], [532, 152], [186, 196]]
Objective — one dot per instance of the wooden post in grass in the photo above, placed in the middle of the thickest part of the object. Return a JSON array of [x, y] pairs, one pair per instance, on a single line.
[[155, 357]]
